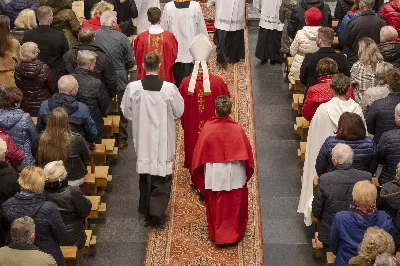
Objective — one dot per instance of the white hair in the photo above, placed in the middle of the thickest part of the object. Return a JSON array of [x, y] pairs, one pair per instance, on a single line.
[[386, 259], [343, 153], [66, 83], [29, 51], [368, 3], [55, 171], [3, 149], [21, 230], [85, 58], [397, 109], [108, 18], [388, 34]]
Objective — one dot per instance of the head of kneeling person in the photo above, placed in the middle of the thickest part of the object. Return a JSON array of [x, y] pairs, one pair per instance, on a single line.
[[23, 231], [393, 80], [388, 34], [342, 154], [56, 175], [351, 127], [313, 16], [325, 37], [152, 63], [68, 85], [86, 59], [10, 98], [327, 67], [368, 53], [29, 52], [340, 84], [32, 179], [223, 106], [364, 197]]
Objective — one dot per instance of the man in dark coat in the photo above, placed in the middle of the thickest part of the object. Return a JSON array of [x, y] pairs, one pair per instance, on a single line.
[[334, 191], [342, 7], [91, 91], [308, 71], [104, 69], [368, 24], [297, 20]]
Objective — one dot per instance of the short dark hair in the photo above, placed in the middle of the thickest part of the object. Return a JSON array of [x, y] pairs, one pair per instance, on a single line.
[[351, 127], [86, 35], [9, 97], [151, 61], [340, 84], [326, 35], [327, 66], [393, 79], [223, 106], [154, 15]]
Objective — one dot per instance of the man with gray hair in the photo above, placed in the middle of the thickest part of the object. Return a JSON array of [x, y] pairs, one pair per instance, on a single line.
[[92, 91], [118, 48], [334, 190], [386, 259], [78, 113], [21, 251], [389, 47], [368, 24]]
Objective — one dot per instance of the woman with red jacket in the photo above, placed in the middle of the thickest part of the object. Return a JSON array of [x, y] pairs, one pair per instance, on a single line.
[[96, 13], [322, 92], [14, 155], [391, 13]]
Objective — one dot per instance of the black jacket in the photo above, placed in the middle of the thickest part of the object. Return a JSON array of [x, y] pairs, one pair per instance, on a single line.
[[93, 93], [390, 53], [368, 24], [49, 227], [308, 71], [126, 10], [342, 7], [380, 116], [88, 6], [104, 69], [297, 20], [388, 154], [334, 194], [8, 180], [74, 207], [389, 201]]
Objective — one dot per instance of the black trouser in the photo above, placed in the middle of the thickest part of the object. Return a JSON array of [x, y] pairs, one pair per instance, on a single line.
[[123, 123], [181, 71]]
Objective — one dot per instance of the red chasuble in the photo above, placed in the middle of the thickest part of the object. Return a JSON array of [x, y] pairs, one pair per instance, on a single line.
[[165, 45], [199, 108], [223, 140]]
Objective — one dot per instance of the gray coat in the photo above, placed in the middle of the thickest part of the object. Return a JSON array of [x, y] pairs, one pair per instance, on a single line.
[[285, 11]]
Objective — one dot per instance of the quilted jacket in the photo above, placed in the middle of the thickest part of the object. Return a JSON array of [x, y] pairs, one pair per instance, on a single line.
[[342, 7], [66, 21], [388, 154], [391, 13], [363, 154], [390, 53], [13, 8], [34, 80]]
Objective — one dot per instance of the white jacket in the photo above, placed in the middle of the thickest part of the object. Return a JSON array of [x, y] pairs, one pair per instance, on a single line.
[[305, 42]]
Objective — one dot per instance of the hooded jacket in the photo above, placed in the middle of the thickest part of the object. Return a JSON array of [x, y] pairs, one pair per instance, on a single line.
[[390, 53], [20, 127], [34, 80], [342, 7], [13, 9], [390, 12], [297, 20]]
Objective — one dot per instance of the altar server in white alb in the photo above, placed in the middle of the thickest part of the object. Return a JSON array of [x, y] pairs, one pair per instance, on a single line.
[[143, 23], [270, 34], [230, 20], [153, 106], [185, 20]]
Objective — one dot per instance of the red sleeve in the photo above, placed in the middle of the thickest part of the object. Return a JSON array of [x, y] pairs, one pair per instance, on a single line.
[[140, 48], [307, 110], [350, 94], [14, 154]]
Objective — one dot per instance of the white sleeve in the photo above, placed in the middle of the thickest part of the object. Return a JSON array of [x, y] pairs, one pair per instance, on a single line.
[[165, 23], [201, 24], [177, 103], [126, 104], [225, 176], [210, 3]]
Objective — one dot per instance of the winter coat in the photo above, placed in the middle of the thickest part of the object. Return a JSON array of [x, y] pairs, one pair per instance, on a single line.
[[77, 157], [368, 24], [304, 43], [93, 94], [342, 7], [380, 116], [94, 24], [18, 33], [371, 95], [390, 53], [20, 127], [49, 227], [388, 154], [104, 69], [9, 182], [34, 80], [363, 154], [285, 11], [389, 199], [297, 20], [390, 12], [319, 94], [78, 114], [25, 254], [14, 155], [13, 9], [126, 10], [334, 194], [345, 21], [66, 21], [74, 207], [8, 63], [347, 232]]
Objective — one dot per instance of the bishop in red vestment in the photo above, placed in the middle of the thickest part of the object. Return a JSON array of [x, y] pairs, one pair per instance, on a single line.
[[159, 41], [222, 165], [199, 92]]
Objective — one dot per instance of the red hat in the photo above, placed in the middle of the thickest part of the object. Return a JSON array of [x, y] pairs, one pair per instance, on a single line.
[[313, 16]]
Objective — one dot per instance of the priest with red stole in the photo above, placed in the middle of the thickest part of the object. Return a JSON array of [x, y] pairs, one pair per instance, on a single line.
[[159, 41], [199, 92], [222, 165]]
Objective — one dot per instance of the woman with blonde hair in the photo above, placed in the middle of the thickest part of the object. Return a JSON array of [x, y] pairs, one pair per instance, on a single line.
[[31, 202], [375, 242], [58, 143], [362, 72], [9, 53], [97, 10], [26, 20], [348, 227]]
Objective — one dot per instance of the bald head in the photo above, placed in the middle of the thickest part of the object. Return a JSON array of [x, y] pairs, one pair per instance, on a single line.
[[342, 154], [68, 85]]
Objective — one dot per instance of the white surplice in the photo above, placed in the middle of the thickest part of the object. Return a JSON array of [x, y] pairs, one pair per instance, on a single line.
[[153, 115], [185, 24], [269, 18], [230, 15], [225, 176], [143, 23]]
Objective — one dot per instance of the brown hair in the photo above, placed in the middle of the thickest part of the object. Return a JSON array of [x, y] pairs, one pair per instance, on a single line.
[[10, 97], [351, 127], [327, 66], [326, 35], [356, 6], [154, 15], [340, 84], [54, 142], [223, 106], [368, 53], [5, 35], [44, 12], [32, 179], [86, 35], [151, 61], [393, 79], [376, 241]]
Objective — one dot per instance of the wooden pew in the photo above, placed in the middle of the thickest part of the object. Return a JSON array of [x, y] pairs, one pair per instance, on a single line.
[[298, 100], [335, 44], [34, 120], [301, 127], [315, 182], [111, 125], [335, 24], [90, 239], [298, 86], [317, 246], [301, 152], [289, 63], [99, 179], [330, 258], [101, 151], [114, 104], [98, 208], [70, 255]]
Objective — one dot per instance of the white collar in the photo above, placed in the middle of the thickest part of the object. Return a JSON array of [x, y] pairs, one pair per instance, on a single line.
[[155, 29]]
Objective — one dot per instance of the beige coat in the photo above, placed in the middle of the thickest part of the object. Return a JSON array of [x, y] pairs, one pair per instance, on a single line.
[[25, 254], [8, 63]]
